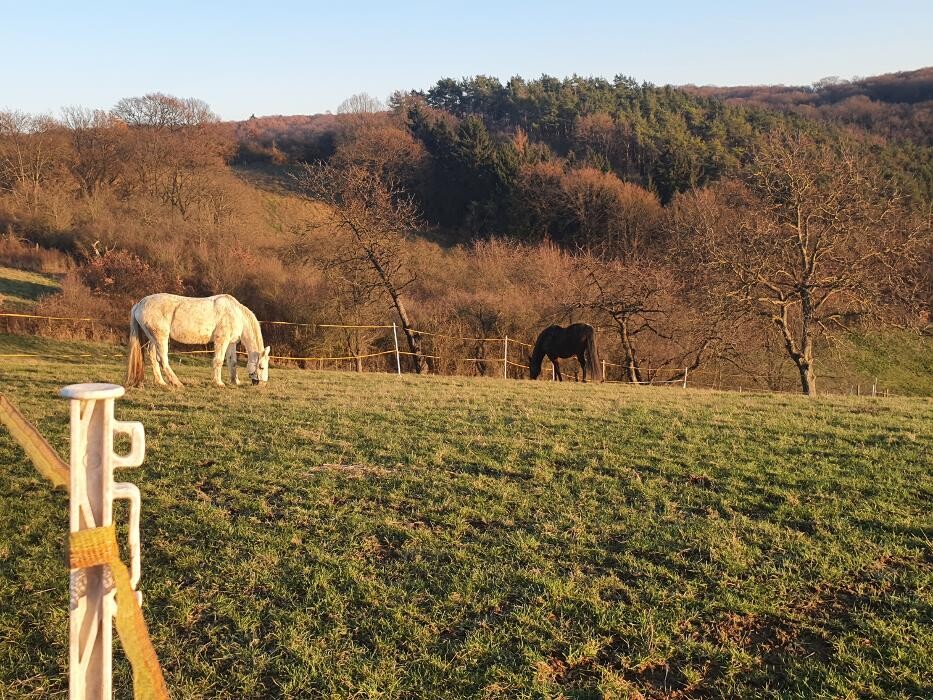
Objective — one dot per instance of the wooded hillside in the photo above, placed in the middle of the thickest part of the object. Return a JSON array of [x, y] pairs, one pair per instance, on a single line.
[[696, 232]]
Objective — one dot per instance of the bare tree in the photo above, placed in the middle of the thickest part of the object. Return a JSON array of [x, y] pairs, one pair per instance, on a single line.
[[372, 218], [361, 103], [100, 146], [159, 110], [32, 153], [660, 331], [176, 147], [813, 241]]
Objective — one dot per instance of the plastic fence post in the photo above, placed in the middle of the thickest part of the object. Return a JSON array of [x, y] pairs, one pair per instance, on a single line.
[[685, 377], [91, 505], [398, 359], [505, 360]]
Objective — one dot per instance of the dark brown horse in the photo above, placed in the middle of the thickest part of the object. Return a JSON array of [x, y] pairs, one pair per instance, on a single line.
[[576, 340]]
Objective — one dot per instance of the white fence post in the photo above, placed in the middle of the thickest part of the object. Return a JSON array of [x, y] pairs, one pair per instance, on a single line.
[[874, 386], [398, 359], [505, 360], [92, 591], [685, 377], [604, 370], [553, 372]]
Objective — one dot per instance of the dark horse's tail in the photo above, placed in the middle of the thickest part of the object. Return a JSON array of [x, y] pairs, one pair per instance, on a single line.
[[594, 366]]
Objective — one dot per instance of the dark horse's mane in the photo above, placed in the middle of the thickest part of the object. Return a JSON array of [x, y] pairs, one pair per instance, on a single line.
[[576, 340]]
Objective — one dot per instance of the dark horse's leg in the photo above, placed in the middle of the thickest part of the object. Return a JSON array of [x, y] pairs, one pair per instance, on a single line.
[[556, 368], [581, 358]]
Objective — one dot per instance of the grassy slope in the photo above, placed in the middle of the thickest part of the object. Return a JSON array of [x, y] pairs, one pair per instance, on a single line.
[[899, 361], [20, 289], [339, 534]]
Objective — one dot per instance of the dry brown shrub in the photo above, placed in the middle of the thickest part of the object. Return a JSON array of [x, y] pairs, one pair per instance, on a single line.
[[76, 300], [19, 253]]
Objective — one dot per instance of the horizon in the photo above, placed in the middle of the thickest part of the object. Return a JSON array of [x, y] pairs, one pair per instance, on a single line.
[[282, 63]]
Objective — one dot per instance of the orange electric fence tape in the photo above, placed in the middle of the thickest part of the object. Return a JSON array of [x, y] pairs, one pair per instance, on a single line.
[[96, 547], [50, 318], [39, 451]]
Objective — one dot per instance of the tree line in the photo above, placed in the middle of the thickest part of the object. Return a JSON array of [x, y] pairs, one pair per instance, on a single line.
[[700, 234]]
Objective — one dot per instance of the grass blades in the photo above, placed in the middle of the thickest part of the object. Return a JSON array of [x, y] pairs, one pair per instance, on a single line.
[[370, 536]]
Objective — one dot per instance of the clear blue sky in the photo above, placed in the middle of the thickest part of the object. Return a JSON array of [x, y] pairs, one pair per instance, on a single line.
[[306, 57]]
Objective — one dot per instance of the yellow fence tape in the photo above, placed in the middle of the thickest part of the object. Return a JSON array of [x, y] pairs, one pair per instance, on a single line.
[[39, 451], [98, 546]]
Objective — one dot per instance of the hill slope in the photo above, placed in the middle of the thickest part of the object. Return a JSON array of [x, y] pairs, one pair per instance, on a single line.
[[339, 534]]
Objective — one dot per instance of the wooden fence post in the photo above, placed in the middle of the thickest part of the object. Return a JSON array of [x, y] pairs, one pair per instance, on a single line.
[[92, 595]]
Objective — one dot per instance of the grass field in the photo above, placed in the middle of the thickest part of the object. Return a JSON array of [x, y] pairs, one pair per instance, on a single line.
[[20, 289], [343, 535]]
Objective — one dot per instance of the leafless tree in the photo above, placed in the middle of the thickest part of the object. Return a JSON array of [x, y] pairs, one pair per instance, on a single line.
[[814, 241], [372, 219], [159, 110], [100, 145], [660, 331], [32, 152], [176, 146], [361, 103]]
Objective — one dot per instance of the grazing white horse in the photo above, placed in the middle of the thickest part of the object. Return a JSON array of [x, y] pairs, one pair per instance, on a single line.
[[220, 319]]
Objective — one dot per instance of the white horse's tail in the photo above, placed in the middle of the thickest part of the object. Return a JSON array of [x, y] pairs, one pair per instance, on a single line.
[[135, 370]]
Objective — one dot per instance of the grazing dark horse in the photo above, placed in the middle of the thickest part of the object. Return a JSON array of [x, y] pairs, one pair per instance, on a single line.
[[576, 340]]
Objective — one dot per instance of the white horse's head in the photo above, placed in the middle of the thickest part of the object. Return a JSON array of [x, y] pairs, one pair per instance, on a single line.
[[257, 364]]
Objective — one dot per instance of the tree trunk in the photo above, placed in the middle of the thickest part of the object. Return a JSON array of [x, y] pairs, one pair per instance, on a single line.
[[807, 378], [631, 361], [414, 342], [805, 361], [803, 357]]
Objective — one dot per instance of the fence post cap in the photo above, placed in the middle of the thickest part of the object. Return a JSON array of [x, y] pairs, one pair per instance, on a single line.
[[92, 391]]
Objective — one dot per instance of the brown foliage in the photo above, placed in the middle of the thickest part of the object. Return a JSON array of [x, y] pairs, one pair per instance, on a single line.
[[18, 253], [814, 242], [591, 209]]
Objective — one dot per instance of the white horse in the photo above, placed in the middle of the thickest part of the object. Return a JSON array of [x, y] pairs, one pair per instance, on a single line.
[[220, 319]]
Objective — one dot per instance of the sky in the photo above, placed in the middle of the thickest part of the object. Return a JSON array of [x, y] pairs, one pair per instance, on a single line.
[[306, 57]]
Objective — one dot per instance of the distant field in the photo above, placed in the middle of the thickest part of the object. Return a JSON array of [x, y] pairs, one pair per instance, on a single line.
[[20, 289], [370, 536]]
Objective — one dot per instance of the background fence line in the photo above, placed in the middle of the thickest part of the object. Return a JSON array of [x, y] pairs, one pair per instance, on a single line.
[[700, 378]]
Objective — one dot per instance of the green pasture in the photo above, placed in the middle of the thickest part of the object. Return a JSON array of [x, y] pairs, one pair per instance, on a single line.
[[346, 535], [20, 289]]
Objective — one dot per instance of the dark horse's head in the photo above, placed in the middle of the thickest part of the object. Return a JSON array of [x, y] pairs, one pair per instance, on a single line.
[[534, 364], [537, 356]]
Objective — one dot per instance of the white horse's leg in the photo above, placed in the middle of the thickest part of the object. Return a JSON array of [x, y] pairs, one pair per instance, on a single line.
[[231, 362], [220, 349], [154, 362], [163, 356], [153, 352]]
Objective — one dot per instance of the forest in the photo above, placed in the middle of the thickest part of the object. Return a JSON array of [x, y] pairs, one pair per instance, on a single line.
[[752, 231]]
